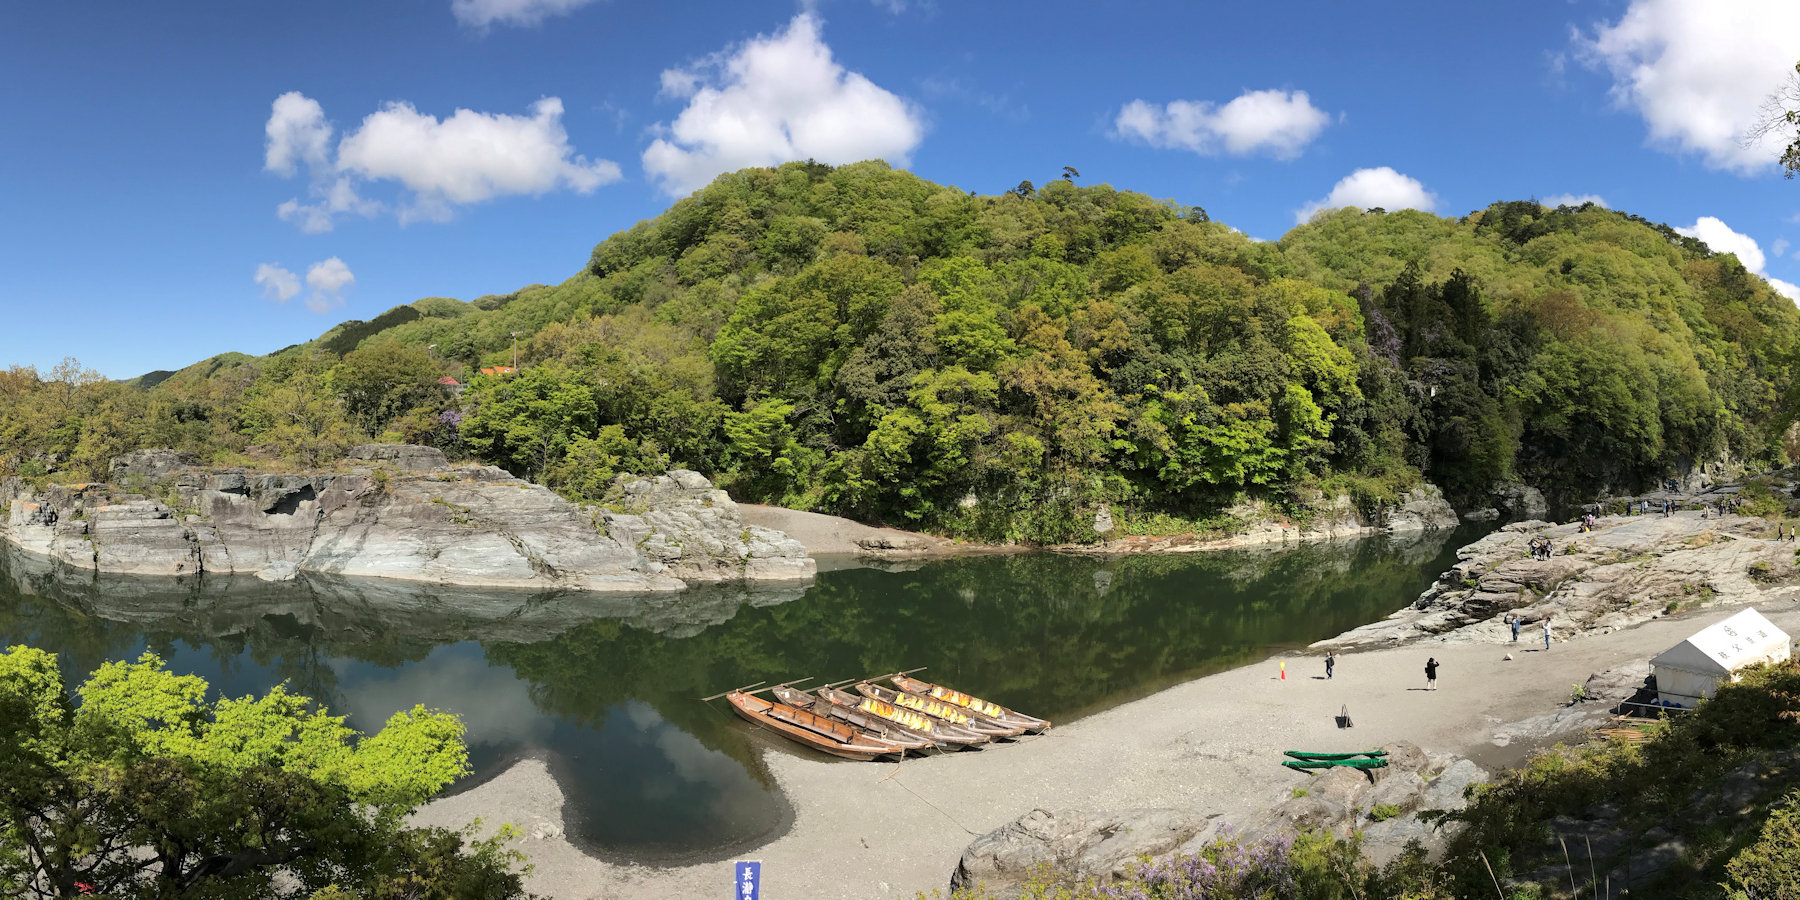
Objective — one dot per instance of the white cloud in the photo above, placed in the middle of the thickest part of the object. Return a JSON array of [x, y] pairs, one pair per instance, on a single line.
[[1368, 188], [1275, 122], [1722, 239], [317, 218], [1555, 200], [328, 280], [483, 13], [466, 158], [278, 284], [470, 156], [776, 98], [1698, 72], [1780, 247], [295, 133]]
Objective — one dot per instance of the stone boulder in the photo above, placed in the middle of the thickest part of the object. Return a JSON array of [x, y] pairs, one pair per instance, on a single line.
[[1100, 845], [1104, 846], [410, 458], [697, 533], [1422, 509], [1521, 501]]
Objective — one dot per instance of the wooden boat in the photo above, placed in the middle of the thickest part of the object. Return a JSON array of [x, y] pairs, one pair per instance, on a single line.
[[869, 723], [945, 735], [1364, 763], [1303, 755], [811, 729], [970, 704], [939, 710]]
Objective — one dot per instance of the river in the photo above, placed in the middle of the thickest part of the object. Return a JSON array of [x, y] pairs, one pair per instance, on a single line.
[[604, 688]]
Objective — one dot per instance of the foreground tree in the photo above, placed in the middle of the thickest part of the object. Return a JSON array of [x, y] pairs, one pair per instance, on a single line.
[[148, 789]]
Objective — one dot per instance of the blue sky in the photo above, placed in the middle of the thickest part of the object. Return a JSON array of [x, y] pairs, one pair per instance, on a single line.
[[183, 179]]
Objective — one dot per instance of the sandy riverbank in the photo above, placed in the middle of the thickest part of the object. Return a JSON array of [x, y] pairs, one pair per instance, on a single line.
[[866, 830]]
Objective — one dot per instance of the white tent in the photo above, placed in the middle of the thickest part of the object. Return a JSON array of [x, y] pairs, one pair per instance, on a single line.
[[1691, 670]]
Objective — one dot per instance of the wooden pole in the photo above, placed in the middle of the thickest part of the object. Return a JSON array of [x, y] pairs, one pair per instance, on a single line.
[[732, 691], [774, 686]]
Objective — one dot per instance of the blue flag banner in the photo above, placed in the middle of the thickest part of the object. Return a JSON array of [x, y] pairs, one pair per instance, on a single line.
[[748, 883]]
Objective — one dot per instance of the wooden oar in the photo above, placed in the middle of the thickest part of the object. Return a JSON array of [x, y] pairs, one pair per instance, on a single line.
[[838, 684], [897, 674], [732, 691], [783, 684]]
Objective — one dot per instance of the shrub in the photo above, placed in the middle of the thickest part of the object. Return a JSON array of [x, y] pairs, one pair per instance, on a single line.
[[1384, 811], [1771, 866]]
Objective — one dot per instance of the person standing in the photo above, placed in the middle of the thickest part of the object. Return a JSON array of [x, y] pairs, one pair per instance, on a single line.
[[1431, 667], [1515, 627], [1546, 632], [1330, 661]]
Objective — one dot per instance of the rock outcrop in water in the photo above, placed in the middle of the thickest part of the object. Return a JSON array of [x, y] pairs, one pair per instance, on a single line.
[[1627, 570], [398, 512]]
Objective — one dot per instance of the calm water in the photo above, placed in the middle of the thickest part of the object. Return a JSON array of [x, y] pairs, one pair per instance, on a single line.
[[604, 687]]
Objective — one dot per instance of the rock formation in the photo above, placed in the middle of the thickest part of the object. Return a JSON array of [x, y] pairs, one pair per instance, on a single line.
[[1105, 846], [1333, 518], [1627, 570], [398, 512]]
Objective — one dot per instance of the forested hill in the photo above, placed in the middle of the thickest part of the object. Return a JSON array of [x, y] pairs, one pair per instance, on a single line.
[[862, 341]]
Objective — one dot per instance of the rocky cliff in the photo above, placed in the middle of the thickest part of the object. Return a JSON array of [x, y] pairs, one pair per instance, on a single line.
[[1334, 518], [395, 511]]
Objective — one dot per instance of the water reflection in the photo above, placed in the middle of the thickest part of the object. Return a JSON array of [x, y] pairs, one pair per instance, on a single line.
[[603, 687]]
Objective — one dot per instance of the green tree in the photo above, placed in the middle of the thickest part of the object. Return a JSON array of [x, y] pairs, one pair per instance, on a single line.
[[146, 788]]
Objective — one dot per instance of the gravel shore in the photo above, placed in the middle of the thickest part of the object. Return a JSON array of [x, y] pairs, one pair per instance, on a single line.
[[866, 830]]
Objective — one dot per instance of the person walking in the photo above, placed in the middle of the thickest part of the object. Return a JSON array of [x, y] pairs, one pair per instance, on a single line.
[[1514, 620], [1330, 661], [1431, 667], [1546, 632]]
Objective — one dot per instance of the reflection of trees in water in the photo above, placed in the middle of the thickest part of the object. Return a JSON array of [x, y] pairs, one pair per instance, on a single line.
[[1053, 635], [1041, 632]]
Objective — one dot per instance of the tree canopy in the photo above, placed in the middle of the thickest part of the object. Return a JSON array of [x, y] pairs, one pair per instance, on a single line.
[[140, 785], [861, 341]]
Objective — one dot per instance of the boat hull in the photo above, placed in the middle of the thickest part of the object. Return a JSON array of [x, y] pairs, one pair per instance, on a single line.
[[942, 734], [871, 724], [978, 724], [1007, 717], [765, 714]]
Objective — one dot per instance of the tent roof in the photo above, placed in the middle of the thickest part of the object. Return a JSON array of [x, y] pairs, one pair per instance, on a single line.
[[1725, 646]]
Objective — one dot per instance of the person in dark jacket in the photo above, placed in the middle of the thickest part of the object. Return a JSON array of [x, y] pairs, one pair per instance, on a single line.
[[1330, 660], [1431, 667]]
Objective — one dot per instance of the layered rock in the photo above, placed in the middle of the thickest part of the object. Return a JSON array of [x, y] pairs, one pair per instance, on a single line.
[[1333, 518], [1629, 569], [403, 514]]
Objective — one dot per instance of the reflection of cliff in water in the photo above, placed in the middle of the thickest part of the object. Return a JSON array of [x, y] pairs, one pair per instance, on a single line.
[[349, 613]]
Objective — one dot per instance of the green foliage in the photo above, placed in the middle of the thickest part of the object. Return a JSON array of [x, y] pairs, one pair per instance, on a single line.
[[858, 340], [1382, 812], [1662, 781], [1770, 867], [241, 797]]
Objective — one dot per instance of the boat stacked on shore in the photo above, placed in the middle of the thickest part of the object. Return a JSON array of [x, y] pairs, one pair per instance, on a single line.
[[873, 722]]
